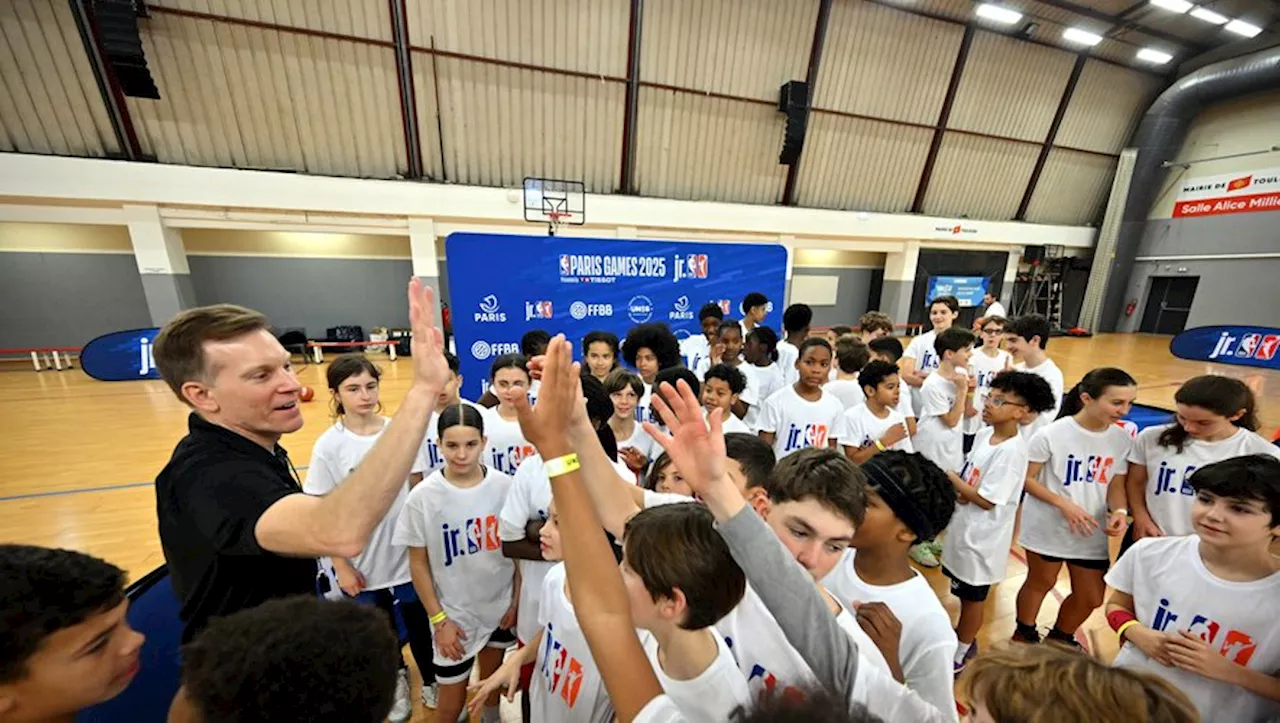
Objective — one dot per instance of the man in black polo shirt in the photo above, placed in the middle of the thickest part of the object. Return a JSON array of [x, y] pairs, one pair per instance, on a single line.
[[235, 526]]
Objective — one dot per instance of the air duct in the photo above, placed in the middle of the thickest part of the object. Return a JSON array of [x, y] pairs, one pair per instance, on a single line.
[[1159, 137]]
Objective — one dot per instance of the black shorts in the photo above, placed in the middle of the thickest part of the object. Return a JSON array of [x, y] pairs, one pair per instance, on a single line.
[[1099, 565], [968, 442], [459, 672], [965, 591], [1126, 542]]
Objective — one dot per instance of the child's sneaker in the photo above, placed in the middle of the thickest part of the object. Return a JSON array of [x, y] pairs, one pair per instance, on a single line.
[[923, 554], [960, 665], [431, 695], [402, 707], [1025, 634]]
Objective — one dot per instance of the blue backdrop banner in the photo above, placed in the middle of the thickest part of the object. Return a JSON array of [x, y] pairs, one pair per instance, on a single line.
[[968, 290], [1251, 346], [501, 286], [120, 356]]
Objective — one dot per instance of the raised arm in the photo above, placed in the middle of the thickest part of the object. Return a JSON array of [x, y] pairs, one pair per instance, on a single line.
[[599, 596], [340, 523]]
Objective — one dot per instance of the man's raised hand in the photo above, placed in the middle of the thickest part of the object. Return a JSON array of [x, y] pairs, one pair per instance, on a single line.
[[429, 365]]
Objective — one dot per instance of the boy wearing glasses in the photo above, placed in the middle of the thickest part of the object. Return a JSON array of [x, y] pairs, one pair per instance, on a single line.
[[976, 550], [988, 361]]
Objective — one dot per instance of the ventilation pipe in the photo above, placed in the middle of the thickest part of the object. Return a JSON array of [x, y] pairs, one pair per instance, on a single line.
[[1159, 137]]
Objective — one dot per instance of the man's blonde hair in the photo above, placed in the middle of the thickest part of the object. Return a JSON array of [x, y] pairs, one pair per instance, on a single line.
[[1050, 684], [179, 348]]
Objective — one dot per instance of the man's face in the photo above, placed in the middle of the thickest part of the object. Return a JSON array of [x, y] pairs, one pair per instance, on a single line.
[[814, 535], [250, 386], [74, 668]]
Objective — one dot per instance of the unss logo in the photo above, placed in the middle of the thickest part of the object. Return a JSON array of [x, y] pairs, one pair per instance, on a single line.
[[640, 309]]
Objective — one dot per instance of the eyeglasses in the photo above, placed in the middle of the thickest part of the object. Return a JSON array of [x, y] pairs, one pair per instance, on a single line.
[[998, 402], [993, 331]]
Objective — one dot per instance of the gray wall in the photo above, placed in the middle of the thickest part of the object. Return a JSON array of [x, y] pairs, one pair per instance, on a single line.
[[1231, 290], [314, 294], [851, 297], [67, 299]]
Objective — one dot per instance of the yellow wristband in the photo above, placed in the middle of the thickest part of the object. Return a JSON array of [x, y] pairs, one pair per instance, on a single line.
[[880, 445], [439, 617], [561, 465], [1124, 627]]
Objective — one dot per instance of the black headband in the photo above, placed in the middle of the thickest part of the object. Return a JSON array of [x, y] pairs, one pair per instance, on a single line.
[[892, 492]]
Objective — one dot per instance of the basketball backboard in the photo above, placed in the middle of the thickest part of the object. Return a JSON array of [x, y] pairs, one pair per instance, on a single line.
[[554, 202]]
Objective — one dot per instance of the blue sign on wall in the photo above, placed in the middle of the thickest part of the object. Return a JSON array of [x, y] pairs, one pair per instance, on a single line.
[[1251, 346], [120, 356], [501, 286], [968, 290]]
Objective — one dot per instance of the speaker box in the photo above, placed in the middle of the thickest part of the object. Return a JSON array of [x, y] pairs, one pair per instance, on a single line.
[[793, 100], [1033, 254], [117, 22]]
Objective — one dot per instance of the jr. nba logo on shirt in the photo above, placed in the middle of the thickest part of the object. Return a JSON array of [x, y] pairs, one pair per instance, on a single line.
[[562, 671], [506, 460], [971, 474], [1174, 481], [478, 534], [808, 435], [1234, 645], [1093, 469]]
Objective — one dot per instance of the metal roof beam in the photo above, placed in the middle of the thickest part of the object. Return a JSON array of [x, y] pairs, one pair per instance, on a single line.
[[1051, 136], [627, 178], [944, 116]]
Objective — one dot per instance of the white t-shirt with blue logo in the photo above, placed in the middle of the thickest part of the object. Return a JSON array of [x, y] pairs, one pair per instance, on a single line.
[[459, 528], [1079, 465], [942, 445], [799, 423], [762, 383], [566, 684], [921, 349], [694, 349], [984, 369], [506, 447], [1169, 495], [430, 458], [529, 498], [860, 427], [712, 695], [1172, 591]]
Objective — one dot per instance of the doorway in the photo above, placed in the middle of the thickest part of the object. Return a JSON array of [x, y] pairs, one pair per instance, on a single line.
[[1169, 304]]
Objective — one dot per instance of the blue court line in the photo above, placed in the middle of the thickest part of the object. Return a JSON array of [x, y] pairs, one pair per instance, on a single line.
[[107, 488]]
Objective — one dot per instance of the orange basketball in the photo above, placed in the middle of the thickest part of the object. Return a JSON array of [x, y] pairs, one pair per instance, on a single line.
[[306, 394]]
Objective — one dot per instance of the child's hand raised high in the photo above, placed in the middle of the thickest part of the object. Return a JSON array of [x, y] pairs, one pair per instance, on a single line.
[[696, 451], [546, 425]]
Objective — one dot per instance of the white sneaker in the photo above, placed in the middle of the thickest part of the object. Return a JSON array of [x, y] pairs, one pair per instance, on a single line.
[[402, 708], [431, 695], [924, 555]]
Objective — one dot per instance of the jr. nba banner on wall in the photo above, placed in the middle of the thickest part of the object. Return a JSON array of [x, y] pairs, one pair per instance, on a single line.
[[501, 286]]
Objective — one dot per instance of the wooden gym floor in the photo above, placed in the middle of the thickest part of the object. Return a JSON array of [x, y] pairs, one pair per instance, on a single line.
[[82, 455]]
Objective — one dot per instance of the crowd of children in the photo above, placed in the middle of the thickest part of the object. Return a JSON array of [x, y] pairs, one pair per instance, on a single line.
[[724, 527]]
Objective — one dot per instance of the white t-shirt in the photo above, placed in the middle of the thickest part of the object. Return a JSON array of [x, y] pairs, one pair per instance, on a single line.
[[996, 309], [1078, 465], [710, 697], [942, 445], [906, 405], [848, 391], [769, 662], [459, 529], [336, 455], [529, 498], [429, 457], [976, 548], [984, 369], [694, 349], [1169, 495], [927, 647], [1173, 590], [788, 353], [506, 447], [643, 412], [1052, 374], [642, 442], [749, 395], [566, 684], [762, 382], [860, 427], [921, 349], [799, 423], [731, 423]]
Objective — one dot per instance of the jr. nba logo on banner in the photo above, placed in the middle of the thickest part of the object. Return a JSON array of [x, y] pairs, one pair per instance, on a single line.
[[503, 286]]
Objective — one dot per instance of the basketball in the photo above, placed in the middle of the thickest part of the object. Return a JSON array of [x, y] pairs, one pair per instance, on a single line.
[[307, 393]]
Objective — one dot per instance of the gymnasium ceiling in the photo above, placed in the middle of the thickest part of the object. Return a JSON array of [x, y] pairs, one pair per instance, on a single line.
[[510, 88]]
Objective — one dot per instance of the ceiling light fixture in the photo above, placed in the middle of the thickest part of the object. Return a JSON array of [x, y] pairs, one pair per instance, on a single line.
[[1240, 27], [1083, 37], [999, 14], [1177, 6], [1151, 55], [1209, 16]]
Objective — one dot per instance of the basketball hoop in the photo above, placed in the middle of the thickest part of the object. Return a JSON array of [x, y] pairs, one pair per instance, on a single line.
[[554, 202], [554, 220]]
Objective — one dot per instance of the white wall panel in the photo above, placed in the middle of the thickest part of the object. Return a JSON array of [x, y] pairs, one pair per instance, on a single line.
[[856, 164], [981, 178]]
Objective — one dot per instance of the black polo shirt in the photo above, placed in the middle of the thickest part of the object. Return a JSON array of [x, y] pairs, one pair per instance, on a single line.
[[208, 500]]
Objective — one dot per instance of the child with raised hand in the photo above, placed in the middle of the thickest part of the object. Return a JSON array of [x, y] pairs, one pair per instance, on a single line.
[[564, 684], [875, 425], [1075, 499], [984, 364], [851, 356], [908, 500], [722, 386], [803, 415], [600, 352], [505, 446], [975, 554], [1201, 610], [1216, 419], [470, 590]]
